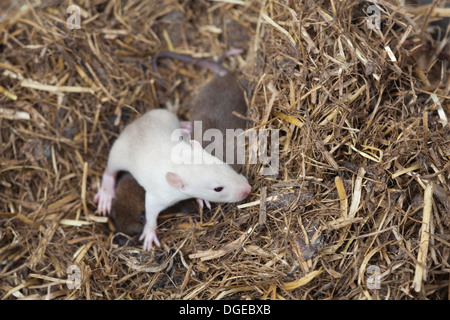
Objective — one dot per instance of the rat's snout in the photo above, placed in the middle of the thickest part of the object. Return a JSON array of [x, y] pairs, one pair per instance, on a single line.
[[244, 191]]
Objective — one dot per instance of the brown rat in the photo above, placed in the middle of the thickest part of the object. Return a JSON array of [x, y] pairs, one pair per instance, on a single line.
[[213, 105], [128, 206], [205, 63]]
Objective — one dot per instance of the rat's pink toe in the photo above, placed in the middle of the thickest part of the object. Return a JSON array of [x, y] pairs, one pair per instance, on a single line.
[[149, 238], [104, 202]]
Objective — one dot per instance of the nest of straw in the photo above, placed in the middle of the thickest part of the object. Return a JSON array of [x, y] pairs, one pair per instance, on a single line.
[[359, 208]]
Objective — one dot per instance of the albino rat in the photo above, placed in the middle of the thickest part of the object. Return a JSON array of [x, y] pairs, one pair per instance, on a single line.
[[213, 105], [168, 168]]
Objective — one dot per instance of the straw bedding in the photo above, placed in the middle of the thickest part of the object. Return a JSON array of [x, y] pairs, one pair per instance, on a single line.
[[359, 208]]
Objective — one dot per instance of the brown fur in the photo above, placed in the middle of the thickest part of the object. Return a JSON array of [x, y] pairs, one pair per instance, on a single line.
[[128, 207], [214, 105], [215, 102]]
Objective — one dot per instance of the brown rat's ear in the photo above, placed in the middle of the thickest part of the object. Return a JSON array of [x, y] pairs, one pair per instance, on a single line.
[[175, 180]]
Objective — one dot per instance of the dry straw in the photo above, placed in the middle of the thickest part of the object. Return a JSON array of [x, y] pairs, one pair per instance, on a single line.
[[358, 210]]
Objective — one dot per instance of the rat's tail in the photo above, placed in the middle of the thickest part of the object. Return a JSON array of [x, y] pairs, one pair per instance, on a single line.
[[214, 66]]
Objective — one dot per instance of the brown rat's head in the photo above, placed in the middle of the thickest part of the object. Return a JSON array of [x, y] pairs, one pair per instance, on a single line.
[[128, 206]]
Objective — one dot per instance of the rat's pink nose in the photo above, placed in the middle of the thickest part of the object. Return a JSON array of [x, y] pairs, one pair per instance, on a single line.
[[246, 191]]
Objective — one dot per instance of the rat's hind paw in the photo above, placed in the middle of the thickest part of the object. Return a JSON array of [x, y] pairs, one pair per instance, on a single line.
[[104, 201], [200, 203], [105, 195], [149, 237]]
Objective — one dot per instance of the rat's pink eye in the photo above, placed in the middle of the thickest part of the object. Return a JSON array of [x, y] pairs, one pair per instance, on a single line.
[[218, 189]]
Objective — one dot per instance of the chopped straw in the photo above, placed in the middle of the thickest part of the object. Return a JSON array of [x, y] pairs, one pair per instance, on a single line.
[[361, 111]]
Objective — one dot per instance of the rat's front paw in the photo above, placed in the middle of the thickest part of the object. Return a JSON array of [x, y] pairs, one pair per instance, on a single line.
[[103, 198], [149, 237], [200, 203]]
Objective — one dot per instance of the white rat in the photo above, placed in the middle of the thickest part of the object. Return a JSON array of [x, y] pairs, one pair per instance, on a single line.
[[163, 166]]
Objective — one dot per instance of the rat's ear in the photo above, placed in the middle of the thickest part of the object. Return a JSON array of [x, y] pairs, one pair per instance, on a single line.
[[185, 135], [180, 135], [175, 180]]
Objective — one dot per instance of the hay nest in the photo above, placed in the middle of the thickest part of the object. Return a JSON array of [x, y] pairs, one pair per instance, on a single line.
[[359, 208]]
